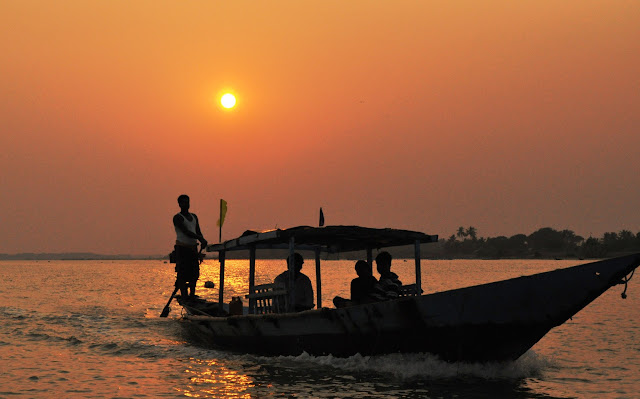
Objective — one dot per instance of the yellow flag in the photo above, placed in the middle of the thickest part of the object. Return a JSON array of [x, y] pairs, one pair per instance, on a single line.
[[223, 212]]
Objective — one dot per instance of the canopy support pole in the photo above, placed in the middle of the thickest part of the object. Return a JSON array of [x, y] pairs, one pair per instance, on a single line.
[[418, 271], [221, 256], [292, 281], [370, 258], [252, 276], [318, 281]]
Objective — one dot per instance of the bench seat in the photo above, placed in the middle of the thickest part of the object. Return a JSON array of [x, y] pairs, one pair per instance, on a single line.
[[268, 298]]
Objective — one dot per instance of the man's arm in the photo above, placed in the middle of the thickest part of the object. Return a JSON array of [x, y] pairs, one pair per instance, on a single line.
[[199, 233], [308, 294]]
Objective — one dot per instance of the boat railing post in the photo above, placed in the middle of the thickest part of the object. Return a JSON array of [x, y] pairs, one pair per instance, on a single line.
[[221, 258], [292, 281], [418, 270], [370, 258], [318, 281], [252, 276]]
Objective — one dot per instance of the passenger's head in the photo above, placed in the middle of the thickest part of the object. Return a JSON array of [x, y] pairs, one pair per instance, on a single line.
[[363, 269], [383, 262], [298, 261]]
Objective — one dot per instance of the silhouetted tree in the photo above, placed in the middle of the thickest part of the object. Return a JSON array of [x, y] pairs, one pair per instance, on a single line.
[[461, 232], [546, 238], [496, 247], [451, 245], [518, 244], [570, 241], [545, 241], [626, 239], [610, 241], [593, 248], [472, 232]]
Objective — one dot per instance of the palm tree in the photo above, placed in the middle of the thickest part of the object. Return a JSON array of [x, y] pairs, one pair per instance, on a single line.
[[461, 232], [472, 232]]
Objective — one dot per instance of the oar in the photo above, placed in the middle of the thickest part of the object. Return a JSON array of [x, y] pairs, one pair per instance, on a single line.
[[167, 309]]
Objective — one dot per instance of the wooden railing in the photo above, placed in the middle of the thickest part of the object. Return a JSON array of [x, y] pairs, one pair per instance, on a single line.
[[268, 298]]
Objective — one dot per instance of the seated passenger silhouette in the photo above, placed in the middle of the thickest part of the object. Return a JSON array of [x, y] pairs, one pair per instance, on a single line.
[[389, 281], [364, 288], [302, 285]]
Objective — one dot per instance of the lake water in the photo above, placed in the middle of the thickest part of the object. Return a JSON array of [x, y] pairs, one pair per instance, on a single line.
[[91, 329]]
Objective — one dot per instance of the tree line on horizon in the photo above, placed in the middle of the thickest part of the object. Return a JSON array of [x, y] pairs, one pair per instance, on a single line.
[[543, 242]]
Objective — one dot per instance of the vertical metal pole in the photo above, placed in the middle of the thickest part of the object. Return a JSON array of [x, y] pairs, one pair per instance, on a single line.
[[370, 258], [418, 271], [252, 276], [318, 281], [292, 281], [221, 256]]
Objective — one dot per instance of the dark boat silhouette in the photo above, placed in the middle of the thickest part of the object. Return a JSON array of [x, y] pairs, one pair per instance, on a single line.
[[489, 322]]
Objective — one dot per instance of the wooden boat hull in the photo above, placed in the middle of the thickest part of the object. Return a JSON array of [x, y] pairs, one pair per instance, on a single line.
[[490, 322]]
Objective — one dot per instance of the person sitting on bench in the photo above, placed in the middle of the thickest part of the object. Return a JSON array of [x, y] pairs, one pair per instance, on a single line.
[[302, 285]]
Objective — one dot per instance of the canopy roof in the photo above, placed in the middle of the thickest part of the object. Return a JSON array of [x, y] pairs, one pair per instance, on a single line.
[[325, 239]]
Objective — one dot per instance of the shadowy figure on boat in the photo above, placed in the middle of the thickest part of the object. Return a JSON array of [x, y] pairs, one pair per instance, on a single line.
[[389, 282], [187, 257], [364, 288], [302, 284]]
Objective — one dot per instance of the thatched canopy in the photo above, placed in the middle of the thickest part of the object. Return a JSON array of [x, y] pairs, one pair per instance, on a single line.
[[325, 239]]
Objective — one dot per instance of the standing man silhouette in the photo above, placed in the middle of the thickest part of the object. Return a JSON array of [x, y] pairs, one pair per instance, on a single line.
[[187, 259]]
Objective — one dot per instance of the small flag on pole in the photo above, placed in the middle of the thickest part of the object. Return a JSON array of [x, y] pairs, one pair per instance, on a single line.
[[321, 223], [223, 212], [220, 222]]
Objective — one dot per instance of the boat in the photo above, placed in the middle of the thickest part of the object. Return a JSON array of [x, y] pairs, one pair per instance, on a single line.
[[498, 321]]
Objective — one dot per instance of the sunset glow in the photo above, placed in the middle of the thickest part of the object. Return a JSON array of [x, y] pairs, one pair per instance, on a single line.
[[506, 116]]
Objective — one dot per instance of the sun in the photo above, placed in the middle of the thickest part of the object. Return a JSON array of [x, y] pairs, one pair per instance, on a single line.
[[228, 100]]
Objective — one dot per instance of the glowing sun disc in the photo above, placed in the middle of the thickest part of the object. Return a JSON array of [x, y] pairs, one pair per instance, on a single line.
[[228, 100]]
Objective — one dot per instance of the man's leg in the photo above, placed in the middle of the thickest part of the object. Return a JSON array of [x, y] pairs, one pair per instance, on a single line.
[[195, 275], [181, 271], [182, 285]]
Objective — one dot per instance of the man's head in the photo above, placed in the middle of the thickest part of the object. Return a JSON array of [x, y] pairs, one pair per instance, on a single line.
[[383, 262], [183, 202], [298, 261], [363, 269]]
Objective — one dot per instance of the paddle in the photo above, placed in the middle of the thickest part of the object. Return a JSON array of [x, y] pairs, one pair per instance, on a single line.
[[167, 309]]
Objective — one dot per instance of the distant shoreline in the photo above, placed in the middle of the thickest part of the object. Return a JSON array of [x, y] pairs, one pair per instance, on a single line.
[[78, 256]]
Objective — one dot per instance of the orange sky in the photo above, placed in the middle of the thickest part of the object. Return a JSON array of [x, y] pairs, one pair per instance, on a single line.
[[507, 116]]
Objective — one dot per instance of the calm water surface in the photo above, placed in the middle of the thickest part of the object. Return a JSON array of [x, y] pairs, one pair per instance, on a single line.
[[91, 329]]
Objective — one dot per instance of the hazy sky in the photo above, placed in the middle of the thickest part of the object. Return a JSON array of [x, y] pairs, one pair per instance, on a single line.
[[428, 115]]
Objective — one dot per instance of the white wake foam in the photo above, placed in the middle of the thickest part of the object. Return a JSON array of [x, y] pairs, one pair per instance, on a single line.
[[410, 366]]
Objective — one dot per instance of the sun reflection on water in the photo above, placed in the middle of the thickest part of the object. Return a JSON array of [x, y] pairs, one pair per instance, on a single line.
[[236, 279], [212, 378]]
